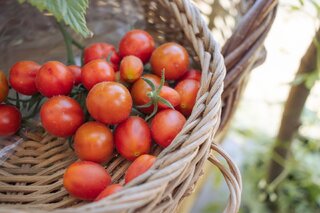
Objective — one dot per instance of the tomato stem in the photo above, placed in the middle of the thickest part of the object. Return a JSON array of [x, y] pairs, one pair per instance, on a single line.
[[68, 43]]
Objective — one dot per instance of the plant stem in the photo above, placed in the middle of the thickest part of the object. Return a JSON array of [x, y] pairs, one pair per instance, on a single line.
[[68, 42]]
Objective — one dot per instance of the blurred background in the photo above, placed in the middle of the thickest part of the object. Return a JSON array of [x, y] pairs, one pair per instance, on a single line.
[[255, 127]]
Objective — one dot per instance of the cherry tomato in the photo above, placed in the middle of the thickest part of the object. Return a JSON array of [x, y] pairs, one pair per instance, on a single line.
[[22, 77], [188, 90], [140, 90], [166, 125], [4, 87], [131, 68], [139, 166], [76, 71], [109, 190], [101, 51], [61, 116], [96, 71], [93, 141], [192, 74], [109, 102], [172, 58], [10, 120], [138, 43], [54, 78], [170, 95], [85, 180], [132, 138]]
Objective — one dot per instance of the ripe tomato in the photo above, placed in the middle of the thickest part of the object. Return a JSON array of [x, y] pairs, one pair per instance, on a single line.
[[188, 90], [22, 77], [140, 89], [108, 191], [93, 141], [172, 58], [96, 71], [192, 74], [132, 138], [10, 120], [170, 95], [76, 71], [4, 87], [138, 43], [61, 116], [131, 68], [54, 78], [139, 166], [166, 125], [109, 102], [85, 180], [101, 51]]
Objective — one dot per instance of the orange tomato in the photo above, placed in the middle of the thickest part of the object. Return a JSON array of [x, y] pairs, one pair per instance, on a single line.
[[109, 190], [170, 95], [93, 141], [76, 71], [131, 68], [139, 166], [192, 74], [85, 180]]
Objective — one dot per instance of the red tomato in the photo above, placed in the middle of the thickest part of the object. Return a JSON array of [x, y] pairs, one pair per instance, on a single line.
[[132, 138], [109, 102], [96, 71], [138, 43], [4, 87], [131, 68], [93, 141], [166, 125], [10, 120], [109, 190], [140, 90], [22, 77], [85, 180], [192, 74], [188, 90], [76, 71], [170, 95], [101, 51], [172, 58], [54, 78], [139, 166], [61, 116]]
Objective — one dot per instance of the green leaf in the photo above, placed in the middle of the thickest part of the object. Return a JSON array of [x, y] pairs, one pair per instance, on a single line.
[[71, 12]]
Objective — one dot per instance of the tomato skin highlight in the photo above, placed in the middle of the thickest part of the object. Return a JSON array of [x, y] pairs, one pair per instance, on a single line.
[[139, 166], [109, 102], [192, 74], [131, 68], [132, 138], [166, 125], [170, 95], [85, 180], [22, 77], [93, 141], [10, 120], [76, 71], [188, 90], [172, 58], [96, 71], [102, 51], [138, 43], [4, 87], [61, 116], [53, 79], [140, 89], [109, 191]]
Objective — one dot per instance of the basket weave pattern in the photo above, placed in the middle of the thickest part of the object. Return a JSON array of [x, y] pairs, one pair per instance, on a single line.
[[31, 178]]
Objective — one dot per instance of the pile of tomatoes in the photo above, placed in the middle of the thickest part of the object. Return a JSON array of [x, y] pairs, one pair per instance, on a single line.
[[118, 100]]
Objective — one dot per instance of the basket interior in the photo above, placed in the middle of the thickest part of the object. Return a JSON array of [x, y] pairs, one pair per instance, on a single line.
[[31, 175]]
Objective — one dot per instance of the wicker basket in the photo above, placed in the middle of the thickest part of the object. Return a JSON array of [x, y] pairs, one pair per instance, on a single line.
[[31, 177]]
